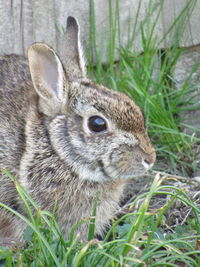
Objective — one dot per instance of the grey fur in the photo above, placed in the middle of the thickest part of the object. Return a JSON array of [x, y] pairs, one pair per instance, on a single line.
[[46, 144]]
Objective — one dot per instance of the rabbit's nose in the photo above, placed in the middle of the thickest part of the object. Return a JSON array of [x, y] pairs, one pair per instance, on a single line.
[[150, 159]]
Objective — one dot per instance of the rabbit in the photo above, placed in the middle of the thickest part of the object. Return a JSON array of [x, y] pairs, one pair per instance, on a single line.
[[65, 138]]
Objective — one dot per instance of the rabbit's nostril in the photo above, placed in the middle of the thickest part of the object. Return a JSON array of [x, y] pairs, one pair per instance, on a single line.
[[150, 159]]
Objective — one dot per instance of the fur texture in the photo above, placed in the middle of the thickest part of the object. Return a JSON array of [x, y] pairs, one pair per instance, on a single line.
[[46, 140]]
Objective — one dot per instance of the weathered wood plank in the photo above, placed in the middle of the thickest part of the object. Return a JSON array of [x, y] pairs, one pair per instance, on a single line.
[[23, 22]]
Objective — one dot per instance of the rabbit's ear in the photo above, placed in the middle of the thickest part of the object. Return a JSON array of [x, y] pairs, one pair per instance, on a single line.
[[71, 51], [47, 77]]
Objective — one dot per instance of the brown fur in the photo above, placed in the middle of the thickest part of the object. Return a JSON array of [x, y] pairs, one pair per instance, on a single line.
[[46, 143]]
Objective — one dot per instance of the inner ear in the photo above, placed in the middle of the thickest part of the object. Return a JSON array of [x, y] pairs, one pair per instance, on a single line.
[[50, 75], [46, 71]]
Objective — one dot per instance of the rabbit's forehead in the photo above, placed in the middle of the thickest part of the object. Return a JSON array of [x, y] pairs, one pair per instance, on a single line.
[[114, 105]]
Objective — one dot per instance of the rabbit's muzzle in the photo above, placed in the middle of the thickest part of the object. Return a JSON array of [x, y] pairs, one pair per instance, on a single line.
[[129, 161]]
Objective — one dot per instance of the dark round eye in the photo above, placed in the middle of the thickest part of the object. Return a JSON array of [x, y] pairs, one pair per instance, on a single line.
[[97, 124]]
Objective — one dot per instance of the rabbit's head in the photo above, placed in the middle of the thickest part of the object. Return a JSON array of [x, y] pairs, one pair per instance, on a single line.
[[98, 133]]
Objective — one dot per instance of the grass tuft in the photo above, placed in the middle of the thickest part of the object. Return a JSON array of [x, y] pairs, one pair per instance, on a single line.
[[138, 238]]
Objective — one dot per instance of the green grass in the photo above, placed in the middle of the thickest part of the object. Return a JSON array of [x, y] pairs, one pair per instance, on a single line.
[[139, 241], [140, 237]]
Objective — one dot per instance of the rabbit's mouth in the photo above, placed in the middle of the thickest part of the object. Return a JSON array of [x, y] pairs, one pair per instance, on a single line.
[[125, 170]]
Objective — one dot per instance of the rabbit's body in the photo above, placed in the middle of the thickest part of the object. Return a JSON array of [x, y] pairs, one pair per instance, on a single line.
[[65, 138], [75, 196]]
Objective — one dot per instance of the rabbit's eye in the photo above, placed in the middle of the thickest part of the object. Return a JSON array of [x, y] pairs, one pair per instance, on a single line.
[[97, 124]]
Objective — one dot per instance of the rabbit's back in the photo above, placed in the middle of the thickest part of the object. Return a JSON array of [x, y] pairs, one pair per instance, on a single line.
[[16, 95]]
